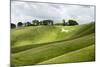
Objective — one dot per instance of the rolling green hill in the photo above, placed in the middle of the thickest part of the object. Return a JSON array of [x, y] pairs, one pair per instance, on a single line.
[[52, 44], [86, 54]]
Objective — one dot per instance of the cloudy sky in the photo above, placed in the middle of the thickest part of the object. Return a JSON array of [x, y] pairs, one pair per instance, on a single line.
[[28, 11]]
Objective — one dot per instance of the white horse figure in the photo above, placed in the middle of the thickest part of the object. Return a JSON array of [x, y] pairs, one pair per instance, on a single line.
[[63, 30]]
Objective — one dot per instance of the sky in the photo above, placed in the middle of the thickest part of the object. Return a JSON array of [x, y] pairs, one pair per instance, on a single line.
[[27, 11]]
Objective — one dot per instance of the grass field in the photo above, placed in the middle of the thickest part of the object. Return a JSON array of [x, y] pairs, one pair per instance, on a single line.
[[52, 44]]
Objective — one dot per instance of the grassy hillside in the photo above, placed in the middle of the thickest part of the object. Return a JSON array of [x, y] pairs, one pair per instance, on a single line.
[[49, 44], [86, 54]]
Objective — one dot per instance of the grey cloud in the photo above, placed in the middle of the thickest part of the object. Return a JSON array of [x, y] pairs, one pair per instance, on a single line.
[[28, 11]]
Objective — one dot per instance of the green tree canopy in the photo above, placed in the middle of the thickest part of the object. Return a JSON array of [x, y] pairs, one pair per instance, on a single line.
[[35, 22], [72, 22], [19, 24], [28, 24], [13, 25]]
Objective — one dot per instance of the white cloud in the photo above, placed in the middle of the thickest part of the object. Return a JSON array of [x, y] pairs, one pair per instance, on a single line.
[[28, 11]]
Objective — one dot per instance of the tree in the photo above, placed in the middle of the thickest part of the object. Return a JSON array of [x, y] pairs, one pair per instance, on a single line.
[[13, 25], [64, 23], [35, 22], [72, 22], [50, 22], [19, 24], [28, 24], [41, 23], [47, 22]]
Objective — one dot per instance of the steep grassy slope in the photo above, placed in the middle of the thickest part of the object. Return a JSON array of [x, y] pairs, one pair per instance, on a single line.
[[47, 44]]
